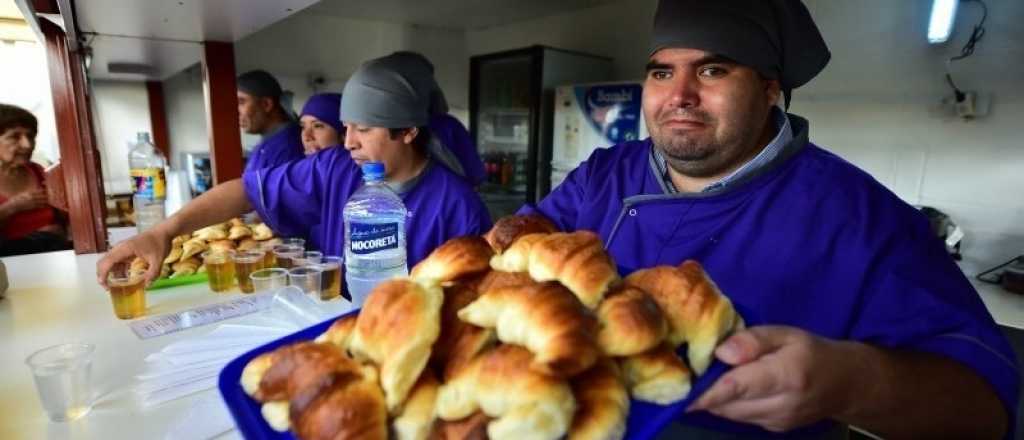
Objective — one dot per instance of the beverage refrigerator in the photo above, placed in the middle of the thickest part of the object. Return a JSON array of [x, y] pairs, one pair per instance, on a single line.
[[592, 116], [512, 103]]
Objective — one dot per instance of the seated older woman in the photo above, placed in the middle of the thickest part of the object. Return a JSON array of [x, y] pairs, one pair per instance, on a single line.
[[28, 224]]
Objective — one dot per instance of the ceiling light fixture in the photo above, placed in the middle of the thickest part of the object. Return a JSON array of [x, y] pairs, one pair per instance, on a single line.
[[941, 23]]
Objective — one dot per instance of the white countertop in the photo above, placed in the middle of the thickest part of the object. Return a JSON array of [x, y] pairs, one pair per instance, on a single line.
[[54, 299]]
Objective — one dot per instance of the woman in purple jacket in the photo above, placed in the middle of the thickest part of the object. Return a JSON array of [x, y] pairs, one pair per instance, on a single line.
[[386, 121]]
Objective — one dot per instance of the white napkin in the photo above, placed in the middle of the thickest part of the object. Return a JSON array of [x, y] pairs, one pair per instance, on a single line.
[[192, 365]]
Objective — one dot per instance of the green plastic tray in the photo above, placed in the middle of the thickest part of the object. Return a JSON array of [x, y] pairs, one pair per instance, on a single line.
[[164, 283]]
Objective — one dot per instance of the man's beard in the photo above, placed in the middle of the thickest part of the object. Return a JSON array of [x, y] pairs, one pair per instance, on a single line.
[[687, 152]]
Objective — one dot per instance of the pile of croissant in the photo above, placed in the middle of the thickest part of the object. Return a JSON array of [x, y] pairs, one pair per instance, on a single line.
[[185, 257], [525, 333]]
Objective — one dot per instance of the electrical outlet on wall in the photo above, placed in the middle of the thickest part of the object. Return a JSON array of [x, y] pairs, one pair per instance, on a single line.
[[973, 105]]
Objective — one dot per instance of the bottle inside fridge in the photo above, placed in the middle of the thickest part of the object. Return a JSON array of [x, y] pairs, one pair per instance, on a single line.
[[511, 96]]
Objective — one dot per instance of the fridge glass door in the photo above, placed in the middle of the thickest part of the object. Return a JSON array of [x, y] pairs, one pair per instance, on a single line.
[[504, 124]]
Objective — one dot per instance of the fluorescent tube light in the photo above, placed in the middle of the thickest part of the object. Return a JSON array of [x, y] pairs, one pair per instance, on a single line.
[[941, 23]]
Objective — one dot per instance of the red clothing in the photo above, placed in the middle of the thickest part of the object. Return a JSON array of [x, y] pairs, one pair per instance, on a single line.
[[27, 222]]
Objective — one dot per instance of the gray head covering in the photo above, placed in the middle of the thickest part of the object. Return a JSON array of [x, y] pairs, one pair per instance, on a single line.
[[778, 38], [386, 92], [416, 61]]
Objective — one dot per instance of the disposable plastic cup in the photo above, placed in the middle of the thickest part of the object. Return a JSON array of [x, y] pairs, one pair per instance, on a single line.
[[286, 255], [306, 278], [331, 284], [308, 258], [265, 280], [127, 293], [245, 264], [63, 375]]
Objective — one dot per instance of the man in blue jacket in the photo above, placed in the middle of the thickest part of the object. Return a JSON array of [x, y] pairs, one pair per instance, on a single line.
[[261, 112], [858, 314]]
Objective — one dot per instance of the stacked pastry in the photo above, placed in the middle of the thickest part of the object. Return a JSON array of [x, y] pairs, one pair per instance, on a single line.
[[524, 333], [185, 257]]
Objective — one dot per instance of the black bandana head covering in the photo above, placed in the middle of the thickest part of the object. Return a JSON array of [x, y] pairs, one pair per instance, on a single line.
[[778, 38], [387, 92]]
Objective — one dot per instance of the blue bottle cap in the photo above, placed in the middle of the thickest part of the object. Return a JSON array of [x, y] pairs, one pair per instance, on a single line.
[[373, 170]]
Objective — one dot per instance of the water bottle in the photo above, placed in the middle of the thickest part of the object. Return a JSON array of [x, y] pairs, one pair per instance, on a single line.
[[374, 235], [149, 182]]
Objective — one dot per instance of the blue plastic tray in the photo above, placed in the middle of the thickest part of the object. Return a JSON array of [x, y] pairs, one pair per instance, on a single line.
[[646, 420]]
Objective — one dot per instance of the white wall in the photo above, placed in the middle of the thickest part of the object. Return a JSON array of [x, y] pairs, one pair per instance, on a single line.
[[28, 86], [618, 30], [121, 110], [186, 114], [878, 105]]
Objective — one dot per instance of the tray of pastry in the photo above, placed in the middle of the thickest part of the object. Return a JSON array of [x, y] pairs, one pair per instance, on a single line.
[[526, 332], [183, 263]]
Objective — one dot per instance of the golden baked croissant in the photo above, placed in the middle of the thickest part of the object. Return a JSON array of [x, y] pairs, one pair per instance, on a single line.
[[454, 259], [274, 378], [545, 318], [416, 419], [657, 376], [602, 403], [396, 328], [177, 241], [165, 270], [508, 229], [340, 406], [577, 260], [210, 233], [185, 267], [497, 279], [340, 332], [459, 341], [238, 232], [192, 247], [247, 244], [698, 313], [138, 267], [630, 322], [280, 374], [262, 232], [473, 427], [221, 245], [516, 257], [235, 222], [173, 255], [525, 403]]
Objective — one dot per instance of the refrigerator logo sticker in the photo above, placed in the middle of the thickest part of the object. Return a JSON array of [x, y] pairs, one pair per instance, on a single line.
[[613, 110], [368, 238]]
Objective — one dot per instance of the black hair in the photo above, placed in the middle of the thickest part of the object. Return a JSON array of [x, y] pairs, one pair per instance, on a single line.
[[12, 116]]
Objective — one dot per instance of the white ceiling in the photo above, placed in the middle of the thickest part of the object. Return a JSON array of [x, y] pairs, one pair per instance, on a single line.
[[452, 14], [166, 34]]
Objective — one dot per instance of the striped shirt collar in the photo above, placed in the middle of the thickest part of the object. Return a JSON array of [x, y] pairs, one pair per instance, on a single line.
[[783, 136]]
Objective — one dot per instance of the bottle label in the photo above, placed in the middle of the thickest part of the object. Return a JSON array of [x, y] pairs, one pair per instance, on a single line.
[[367, 238], [149, 183]]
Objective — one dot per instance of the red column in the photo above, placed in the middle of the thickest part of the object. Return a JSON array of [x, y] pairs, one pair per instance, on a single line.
[[222, 110], [80, 160], [158, 117]]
